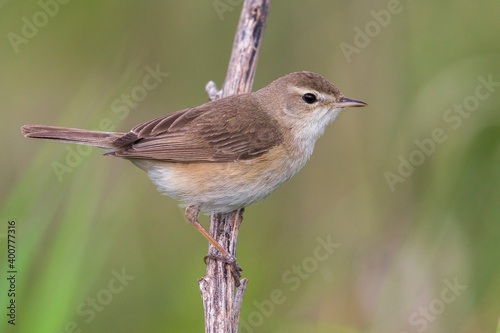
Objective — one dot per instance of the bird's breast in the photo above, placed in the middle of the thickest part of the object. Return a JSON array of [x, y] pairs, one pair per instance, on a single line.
[[223, 187]]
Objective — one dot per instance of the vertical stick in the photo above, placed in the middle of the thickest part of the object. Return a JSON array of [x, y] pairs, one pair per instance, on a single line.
[[221, 303]]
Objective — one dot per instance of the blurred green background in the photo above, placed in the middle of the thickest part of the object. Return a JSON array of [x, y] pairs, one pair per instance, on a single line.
[[408, 189]]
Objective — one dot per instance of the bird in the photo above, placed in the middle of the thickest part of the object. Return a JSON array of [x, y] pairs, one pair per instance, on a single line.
[[226, 154]]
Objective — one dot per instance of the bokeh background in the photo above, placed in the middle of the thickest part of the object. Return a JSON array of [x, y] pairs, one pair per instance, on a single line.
[[407, 189]]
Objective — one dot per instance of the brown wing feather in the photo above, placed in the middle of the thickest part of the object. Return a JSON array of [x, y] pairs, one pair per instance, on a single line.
[[219, 131]]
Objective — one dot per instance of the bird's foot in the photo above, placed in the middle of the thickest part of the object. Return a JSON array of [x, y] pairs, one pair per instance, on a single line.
[[231, 261]]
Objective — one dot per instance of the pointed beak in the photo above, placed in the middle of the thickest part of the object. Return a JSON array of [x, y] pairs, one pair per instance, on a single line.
[[345, 102]]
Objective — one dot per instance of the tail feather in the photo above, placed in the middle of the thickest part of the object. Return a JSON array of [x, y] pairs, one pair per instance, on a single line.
[[72, 135]]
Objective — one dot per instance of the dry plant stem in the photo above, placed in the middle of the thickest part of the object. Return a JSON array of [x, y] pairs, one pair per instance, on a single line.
[[221, 303], [246, 46]]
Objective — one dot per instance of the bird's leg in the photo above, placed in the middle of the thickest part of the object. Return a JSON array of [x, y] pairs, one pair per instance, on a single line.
[[192, 213]]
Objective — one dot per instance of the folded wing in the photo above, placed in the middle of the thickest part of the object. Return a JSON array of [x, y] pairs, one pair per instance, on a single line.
[[219, 131]]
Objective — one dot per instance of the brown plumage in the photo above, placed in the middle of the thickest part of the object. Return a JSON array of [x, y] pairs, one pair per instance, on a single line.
[[71, 135], [212, 132]]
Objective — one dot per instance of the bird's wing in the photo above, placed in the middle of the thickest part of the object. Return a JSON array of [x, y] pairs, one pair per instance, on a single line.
[[219, 131]]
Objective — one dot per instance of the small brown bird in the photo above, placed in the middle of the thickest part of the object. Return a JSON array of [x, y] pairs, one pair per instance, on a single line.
[[228, 153]]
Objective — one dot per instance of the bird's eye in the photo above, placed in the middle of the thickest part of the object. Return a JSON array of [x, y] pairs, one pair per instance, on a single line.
[[309, 98]]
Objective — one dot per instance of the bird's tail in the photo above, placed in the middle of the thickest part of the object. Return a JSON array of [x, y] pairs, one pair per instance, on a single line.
[[72, 135]]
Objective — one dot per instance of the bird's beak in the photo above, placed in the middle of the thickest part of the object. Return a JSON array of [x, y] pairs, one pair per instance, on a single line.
[[345, 102]]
